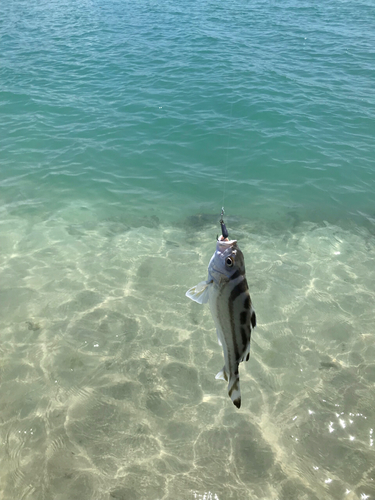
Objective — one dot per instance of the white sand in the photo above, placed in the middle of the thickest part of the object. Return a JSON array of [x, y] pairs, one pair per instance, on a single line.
[[107, 370]]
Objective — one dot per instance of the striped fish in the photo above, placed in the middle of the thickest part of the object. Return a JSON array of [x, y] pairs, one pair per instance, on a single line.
[[227, 293]]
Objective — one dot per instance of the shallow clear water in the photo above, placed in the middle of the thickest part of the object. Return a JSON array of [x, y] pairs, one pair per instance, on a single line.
[[124, 128]]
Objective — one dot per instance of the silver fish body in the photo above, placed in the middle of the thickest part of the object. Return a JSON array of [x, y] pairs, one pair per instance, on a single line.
[[226, 290]]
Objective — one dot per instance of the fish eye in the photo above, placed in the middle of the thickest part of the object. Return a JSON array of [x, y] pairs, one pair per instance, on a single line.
[[229, 261]]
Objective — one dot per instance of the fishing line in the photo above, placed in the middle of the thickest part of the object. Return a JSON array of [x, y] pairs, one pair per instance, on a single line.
[[226, 161], [224, 230]]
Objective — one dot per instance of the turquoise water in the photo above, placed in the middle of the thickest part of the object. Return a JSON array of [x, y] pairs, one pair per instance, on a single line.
[[125, 126]]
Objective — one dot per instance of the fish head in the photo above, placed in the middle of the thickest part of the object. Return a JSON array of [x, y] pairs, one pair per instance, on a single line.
[[226, 261]]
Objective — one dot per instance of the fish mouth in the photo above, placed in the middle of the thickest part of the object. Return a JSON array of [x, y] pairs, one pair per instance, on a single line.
[[226, 243]]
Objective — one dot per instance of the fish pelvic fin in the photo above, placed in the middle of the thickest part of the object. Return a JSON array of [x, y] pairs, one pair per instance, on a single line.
[[222, 375], [234, 389], [199, 293]]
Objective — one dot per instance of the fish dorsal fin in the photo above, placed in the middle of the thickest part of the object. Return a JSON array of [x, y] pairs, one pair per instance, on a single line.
[[199, 293]]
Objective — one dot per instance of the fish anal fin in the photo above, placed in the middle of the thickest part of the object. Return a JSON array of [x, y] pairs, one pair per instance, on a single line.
[[222, 375]]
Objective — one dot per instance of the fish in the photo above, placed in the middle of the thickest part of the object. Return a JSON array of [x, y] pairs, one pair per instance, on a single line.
[[227, 293]]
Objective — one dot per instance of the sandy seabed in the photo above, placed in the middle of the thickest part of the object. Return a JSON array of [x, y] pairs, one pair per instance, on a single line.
[[107, 370]]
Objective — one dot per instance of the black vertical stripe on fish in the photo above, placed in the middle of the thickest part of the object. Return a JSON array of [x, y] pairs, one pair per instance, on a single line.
[[247, 302], [234, 386], [236, 275], [238, 290], [243, 317], [244, 335], [235, 379]]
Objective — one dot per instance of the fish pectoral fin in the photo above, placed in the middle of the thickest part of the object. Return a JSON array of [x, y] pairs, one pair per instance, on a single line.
[[199, 293], [222, 375]]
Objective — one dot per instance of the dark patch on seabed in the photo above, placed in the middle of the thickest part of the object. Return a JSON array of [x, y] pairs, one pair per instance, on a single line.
[[33, 326]]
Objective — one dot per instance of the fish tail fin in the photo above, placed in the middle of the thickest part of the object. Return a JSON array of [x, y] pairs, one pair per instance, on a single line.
[[222, 375], [234, 389]]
